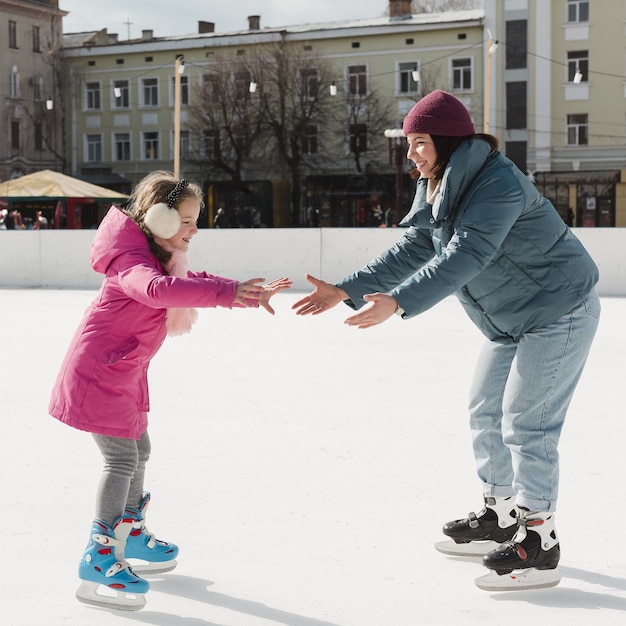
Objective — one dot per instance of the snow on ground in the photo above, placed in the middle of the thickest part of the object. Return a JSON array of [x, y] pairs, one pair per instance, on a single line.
[[305, 469]]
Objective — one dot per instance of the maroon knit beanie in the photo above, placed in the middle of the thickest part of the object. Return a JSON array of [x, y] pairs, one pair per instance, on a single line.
[[439, 113]]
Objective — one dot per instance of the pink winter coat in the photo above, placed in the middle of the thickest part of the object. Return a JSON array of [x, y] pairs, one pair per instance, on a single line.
[[102, 386]]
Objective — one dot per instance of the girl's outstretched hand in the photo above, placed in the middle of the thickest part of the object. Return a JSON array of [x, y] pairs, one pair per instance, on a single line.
[[252, 293], [325, 296], [270, 289]]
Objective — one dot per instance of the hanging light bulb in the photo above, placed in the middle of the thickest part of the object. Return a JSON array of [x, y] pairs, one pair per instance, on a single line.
[[416, 75], [253, 86], [49, 104], [117, 92], [333, 89], [578, 76]]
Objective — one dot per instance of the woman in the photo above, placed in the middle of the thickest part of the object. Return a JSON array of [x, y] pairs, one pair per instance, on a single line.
[[478, 228]]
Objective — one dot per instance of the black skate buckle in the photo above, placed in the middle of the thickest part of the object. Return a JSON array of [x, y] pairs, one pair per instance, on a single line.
[[473, 520]]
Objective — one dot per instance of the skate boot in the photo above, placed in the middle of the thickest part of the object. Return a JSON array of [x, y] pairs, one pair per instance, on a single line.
[[478, 534], [148, 555], [107, 579], [529, 560]]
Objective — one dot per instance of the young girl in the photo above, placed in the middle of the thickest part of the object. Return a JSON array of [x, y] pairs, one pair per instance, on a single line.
[[478, 228], [102, 386]]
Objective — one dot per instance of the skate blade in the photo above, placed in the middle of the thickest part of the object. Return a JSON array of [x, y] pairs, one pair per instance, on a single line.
[[151, 567], [519, 580], [104, 597], [471, 549]]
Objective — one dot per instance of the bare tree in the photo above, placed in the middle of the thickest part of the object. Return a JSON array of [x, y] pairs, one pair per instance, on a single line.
[[295, 103], [364, 117], [226, 116]]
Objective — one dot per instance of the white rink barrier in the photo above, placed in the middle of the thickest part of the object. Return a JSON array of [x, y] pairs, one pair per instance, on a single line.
[[60, 258]]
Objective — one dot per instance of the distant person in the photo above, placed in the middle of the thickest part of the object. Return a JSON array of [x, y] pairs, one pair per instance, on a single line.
[[102, 386], [478, 228], [220, 220]]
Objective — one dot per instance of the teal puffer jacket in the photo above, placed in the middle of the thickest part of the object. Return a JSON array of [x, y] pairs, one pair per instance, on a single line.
[[491, 239]]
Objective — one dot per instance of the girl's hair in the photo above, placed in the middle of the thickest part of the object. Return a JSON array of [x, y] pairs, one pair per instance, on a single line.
[[445, 146], [153, 189]]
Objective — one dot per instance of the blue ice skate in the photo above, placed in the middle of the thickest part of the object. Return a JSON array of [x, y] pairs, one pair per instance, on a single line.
[[149, 555], [107, 579]]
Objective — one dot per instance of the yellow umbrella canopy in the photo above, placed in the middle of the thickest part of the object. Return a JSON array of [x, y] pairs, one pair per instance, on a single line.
[[51, 184]]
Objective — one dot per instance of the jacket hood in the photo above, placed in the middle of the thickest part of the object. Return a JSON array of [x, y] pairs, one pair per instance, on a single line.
[[116, 235]]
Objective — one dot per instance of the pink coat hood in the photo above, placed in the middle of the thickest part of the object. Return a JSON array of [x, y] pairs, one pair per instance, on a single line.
[[102, 386]]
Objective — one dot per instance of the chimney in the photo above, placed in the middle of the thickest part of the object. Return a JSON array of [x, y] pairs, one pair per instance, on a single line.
[[254, 22], [147, 35], [399, 9], [206, 27]]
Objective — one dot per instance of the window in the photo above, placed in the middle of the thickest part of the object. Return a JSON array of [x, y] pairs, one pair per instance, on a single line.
[[36, 39], [121, 147], [516, 112], [93, 144], [210, 144], [210, 87], [308, 140], [184, 89], [37, 88], [310, 83], [150, 92], [578, 62], [185, 144], [92, 96], [15, 135], [150, 146], [122, 88], [12, 34], [14, 85], [242, 83], [516, 44], [461, 74], [358, 138], [577, 128], [357, 80], [38, 136], [577, 10], [407, 83], [516, 151]]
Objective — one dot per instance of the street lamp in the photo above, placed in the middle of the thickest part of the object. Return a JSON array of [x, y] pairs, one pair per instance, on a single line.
[[492, 45], [179, 68], [395, 135]]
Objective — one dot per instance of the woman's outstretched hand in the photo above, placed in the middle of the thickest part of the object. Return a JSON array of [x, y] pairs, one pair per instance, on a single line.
[[325, 296], [380, 307]]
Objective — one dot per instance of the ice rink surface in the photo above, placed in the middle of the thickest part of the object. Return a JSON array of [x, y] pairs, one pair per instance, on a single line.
[[305, 469]]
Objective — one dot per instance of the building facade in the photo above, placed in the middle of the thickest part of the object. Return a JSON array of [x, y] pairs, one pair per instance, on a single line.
[[357, 78], [31, 119], [559, 101]]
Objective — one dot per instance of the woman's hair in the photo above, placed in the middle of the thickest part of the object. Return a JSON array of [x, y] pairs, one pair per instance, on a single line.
[[154, 189], [445, 146]]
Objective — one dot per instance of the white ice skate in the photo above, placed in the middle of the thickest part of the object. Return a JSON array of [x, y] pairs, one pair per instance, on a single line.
[[518, 580], [105, 597]]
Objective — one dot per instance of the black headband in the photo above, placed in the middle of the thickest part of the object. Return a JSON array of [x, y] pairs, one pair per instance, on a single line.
[[174, 196]]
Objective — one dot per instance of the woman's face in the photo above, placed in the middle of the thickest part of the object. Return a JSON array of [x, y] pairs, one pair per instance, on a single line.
[[189, 211], [422, 152]]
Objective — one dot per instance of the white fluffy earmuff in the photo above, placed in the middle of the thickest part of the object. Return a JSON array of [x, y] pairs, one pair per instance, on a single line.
[[162, 221]]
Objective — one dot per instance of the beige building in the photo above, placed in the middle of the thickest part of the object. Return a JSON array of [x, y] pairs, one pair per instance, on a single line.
[[121, 115], [29, 89], [558, 99]]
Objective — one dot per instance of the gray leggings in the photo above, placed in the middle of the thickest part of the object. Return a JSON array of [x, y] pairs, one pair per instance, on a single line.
[[121, 483]]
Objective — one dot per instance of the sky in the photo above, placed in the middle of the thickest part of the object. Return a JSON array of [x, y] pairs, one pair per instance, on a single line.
[[166, 18]]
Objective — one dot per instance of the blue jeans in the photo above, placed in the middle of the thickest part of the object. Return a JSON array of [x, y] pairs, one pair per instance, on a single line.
[[518, 400]]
